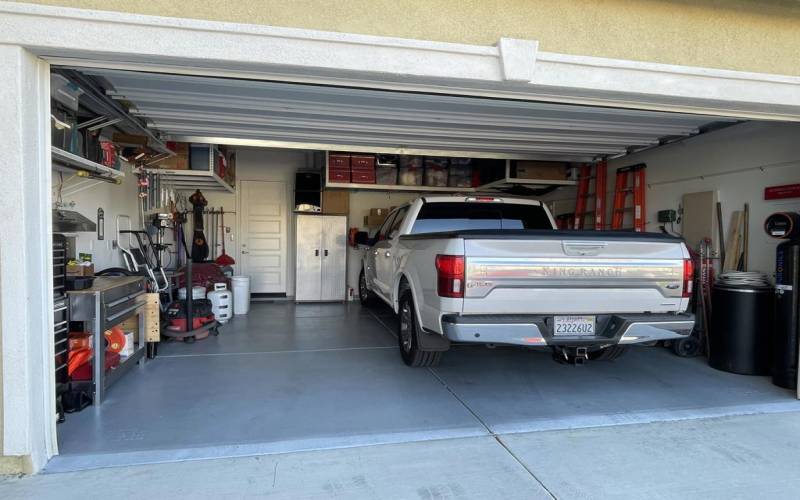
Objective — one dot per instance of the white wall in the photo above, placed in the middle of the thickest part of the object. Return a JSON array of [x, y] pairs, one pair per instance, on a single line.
[[114, 199], [259, 164], [360, 204], [708, 162]]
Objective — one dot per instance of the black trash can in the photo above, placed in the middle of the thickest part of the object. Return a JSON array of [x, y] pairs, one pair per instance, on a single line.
[[740, 340]]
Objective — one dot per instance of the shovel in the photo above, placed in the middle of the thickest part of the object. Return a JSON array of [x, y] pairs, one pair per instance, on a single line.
[[224, 259]]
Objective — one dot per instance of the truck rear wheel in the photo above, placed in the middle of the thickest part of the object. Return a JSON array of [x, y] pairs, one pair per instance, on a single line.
[[408, 336]]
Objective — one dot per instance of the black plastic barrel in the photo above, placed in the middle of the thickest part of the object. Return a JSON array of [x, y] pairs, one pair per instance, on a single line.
[[740, 340]]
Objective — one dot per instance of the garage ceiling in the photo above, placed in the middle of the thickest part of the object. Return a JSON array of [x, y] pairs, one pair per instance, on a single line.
[[273, 114]]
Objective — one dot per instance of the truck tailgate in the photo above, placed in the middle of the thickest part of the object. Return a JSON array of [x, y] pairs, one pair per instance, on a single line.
[[569, 273]]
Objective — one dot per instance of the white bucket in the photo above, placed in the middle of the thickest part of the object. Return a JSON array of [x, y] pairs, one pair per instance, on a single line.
[[241, 294], [198, 292], [221, 302]]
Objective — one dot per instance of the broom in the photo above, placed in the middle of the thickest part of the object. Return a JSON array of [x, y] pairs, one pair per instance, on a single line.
[[224, 259]]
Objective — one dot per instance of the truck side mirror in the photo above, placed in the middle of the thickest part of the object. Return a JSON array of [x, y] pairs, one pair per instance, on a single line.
[[362, 238]]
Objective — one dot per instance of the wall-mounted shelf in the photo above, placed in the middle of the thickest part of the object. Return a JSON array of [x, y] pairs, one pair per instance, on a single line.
[[69, 161], [187, 180]]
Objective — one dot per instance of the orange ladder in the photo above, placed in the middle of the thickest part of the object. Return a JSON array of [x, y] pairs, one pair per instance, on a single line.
[[621, 191], [599, 212]]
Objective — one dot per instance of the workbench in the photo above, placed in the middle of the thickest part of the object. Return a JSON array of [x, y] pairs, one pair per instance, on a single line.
[[107, 303]]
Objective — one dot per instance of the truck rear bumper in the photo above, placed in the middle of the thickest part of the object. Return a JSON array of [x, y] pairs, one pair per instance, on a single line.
[[536, 330]]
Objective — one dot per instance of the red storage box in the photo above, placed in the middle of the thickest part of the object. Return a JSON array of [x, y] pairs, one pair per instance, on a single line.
[[363, 176], [339, 160], [359, 162], [338, 175]]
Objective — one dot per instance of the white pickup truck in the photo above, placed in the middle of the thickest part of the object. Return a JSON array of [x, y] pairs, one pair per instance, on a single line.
[[490, 270]]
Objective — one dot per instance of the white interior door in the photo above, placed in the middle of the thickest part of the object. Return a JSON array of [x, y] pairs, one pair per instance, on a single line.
[[263, 219]]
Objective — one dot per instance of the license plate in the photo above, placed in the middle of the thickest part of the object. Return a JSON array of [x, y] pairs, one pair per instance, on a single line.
[[573, 325]]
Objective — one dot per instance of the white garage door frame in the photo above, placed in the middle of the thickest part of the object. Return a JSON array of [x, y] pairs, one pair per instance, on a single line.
[[35, 36]]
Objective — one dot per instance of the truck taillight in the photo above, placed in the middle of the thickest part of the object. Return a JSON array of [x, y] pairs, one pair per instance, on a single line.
[[450, 276], [688, 277]]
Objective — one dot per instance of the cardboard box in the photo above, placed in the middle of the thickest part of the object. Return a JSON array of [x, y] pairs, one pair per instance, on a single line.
[[181, 159], [335, 202], [129, 139], [376, 216], [80, 270], [545, 170]]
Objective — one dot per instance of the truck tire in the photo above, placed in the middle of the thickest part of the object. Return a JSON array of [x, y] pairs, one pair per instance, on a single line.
[[609, 353], [408, 331], [365, 296]]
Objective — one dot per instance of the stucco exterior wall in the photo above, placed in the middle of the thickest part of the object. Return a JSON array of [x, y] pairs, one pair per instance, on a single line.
[[747, 35]]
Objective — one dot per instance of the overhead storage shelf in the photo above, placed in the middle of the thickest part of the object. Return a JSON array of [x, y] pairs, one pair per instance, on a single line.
[[193, 179], [66, 160], [398, 187], [497, 185]]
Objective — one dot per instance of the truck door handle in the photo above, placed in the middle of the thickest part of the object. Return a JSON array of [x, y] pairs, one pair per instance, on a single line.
[[326, 252], [316, 252]]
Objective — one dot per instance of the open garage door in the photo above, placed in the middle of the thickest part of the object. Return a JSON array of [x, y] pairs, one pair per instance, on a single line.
[[285, 115]]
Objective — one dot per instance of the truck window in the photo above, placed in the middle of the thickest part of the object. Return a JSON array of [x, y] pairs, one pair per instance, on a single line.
[[440, 217], [383, 232], [401, 215]]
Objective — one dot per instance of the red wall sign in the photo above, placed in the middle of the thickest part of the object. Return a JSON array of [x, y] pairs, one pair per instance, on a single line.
[[781, 192]]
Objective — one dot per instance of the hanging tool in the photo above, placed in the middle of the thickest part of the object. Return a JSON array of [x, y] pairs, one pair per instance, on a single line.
[[224, 259], [621, 191], [599, 195], [199, 242]]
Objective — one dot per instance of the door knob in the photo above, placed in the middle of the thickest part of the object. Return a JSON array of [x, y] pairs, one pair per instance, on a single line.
[[316, 252], [387, 254], [245, 251]]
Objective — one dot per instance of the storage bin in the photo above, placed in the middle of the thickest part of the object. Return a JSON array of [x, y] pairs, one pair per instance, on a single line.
[[386, 174], [409, 176], [436, 172], [339, 160], [221, 302], [363, 176], [366, 162], [460, 172], [338, 175]]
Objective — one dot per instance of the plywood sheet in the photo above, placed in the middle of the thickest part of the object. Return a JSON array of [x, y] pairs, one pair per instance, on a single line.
[[699, 219]]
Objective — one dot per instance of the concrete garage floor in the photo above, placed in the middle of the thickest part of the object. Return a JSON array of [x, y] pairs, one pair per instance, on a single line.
[[289, 378]]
